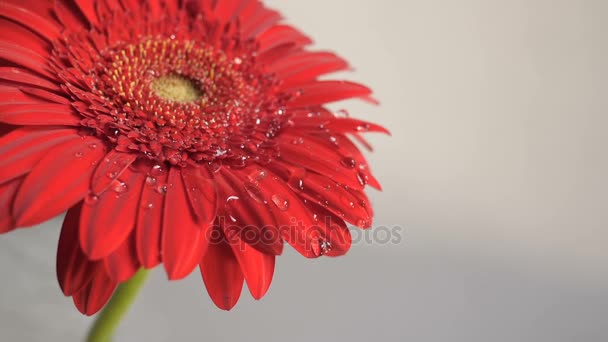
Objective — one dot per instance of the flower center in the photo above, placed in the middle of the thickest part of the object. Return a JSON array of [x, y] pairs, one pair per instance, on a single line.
[[177, 100], [176, 88]]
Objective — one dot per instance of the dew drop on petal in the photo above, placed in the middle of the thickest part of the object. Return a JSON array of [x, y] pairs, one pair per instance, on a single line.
[[363, 128], [361, 178], [254, 192], [119, 187], [78, 154], [296, 180], [298, 141], [257, 176], [325, 246], [151, 181], [157, 170], [91, 199], [362, 223], [161, 189], [281, 202], [347, 201], [348, 162], [342, 113], [228, 208], [334, 141]]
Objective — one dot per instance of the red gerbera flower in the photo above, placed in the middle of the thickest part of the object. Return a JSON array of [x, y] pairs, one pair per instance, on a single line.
[[178, 132]]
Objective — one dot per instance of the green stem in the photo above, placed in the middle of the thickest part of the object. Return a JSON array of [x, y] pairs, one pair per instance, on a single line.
[[108, 319]]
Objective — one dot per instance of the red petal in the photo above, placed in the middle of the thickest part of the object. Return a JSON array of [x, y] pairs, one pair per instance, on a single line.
[[122, 264], [109, 169], [321, 92], [107, 219], [349, 155], [7, 195], [23, 76], [336, 237], [93, 296], [294, 220], [250, 209], [149, 218], [48, 114], [18, 34], [348, 148], [44, 95], [12, 95], [257, 267], [22, 148], [29, 19], [202, 193], [338, 125], [279, 35], [60, 180], [87, 8], [335, 198], [74, 269], [69, 16], [225, 10], [25, 58], [259, 21], [222, 275], [311, 155], [184, 240], [307, 67]]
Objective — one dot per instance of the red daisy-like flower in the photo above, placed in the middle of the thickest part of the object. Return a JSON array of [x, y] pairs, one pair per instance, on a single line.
[[187, 133]]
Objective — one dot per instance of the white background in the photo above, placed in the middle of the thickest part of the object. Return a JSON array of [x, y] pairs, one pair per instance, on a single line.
[[496, 171]]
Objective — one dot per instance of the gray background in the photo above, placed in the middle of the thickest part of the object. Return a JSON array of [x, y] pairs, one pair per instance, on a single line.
[[496, 171]]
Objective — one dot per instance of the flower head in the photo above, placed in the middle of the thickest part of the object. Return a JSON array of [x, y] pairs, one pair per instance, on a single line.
[[187, 133]]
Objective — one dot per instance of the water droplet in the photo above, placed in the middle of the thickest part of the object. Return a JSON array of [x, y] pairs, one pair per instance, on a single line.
[[342, 113], [281, 202], [220, 152], [334, 141], [348, 162], [91, 199], [363, 128], [325, 246], [148, 205], [120, 187], [327, 187], [254, 191], [215, 166], [93, 145], [78, 154], [298, 141], [238, 61], [161, 189], [229, 210], [151, 181], [296, 180], [258, 176], [112, 174], [157, 170], [362, 223], [361, 178], [346, 200]]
